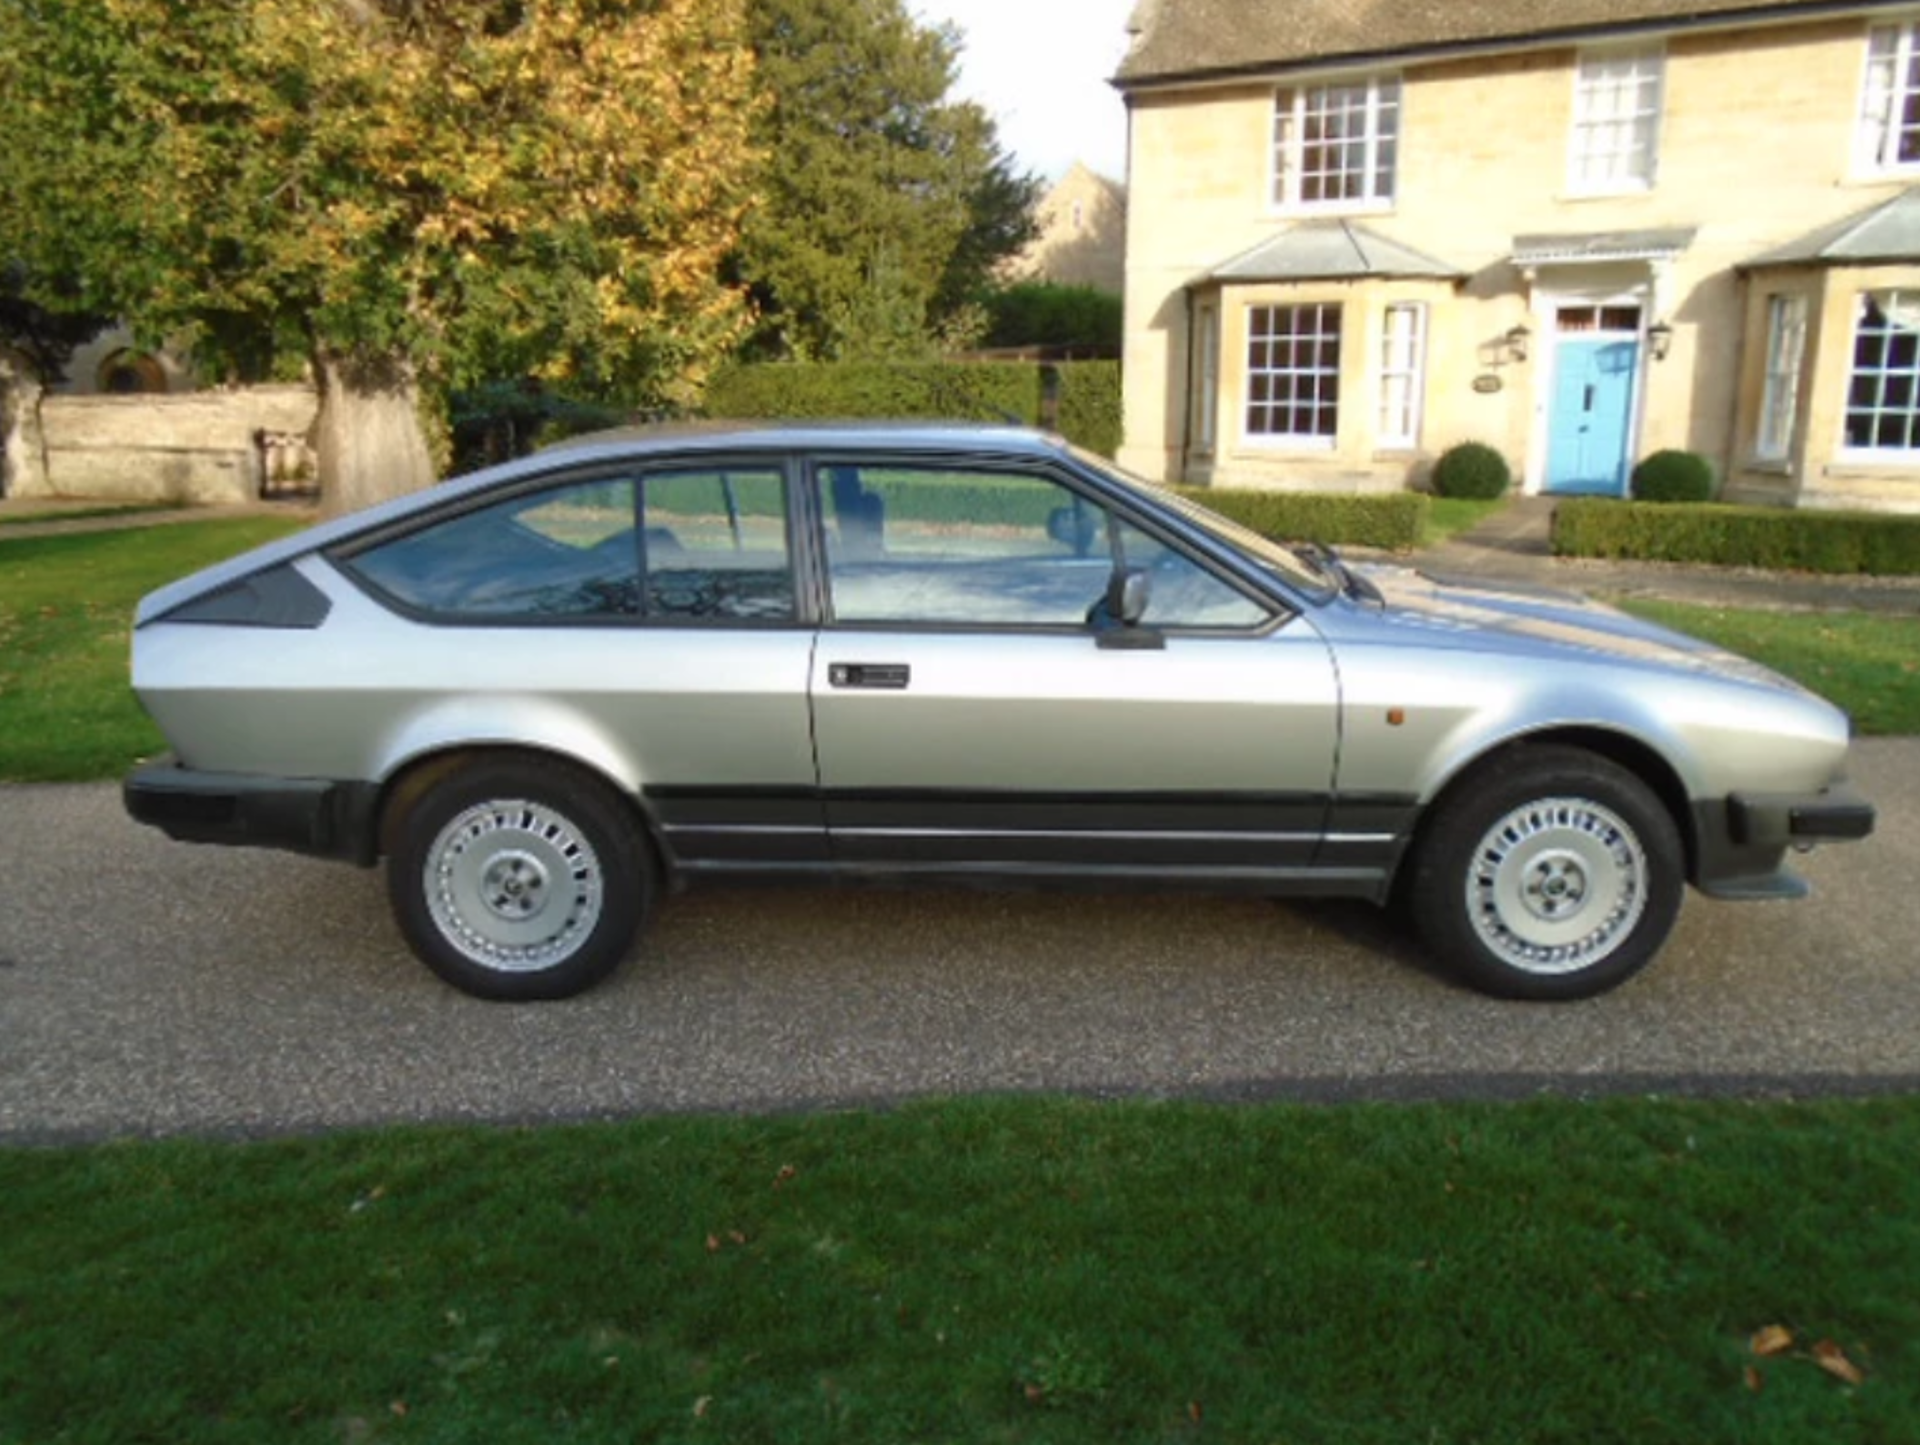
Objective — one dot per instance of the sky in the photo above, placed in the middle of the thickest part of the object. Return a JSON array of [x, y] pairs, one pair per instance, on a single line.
[[1040, 68]]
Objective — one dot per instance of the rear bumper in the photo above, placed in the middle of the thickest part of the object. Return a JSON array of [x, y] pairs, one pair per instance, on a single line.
[[1743, 841], [315, 816]]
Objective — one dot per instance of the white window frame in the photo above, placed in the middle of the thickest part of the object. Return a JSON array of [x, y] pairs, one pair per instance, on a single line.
[[1907, 377], [1305, 381], [1403, 375], [1780, 383], [1382, 106], [1886, 91], [1613, 146]]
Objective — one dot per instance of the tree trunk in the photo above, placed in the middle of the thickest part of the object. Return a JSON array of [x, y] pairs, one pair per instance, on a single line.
[[368, 435], [23, 448]]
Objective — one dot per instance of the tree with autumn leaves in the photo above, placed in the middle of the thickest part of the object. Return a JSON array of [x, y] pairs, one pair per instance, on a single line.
[[402, 191], [412, 196]]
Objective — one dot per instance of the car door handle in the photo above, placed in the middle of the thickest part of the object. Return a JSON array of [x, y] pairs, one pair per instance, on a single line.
[[892, 676]]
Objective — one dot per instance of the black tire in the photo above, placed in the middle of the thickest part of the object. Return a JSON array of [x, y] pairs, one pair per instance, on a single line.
[[519, 879], [1548, 873]]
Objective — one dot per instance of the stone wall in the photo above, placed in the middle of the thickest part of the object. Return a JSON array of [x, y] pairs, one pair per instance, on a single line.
[[204, 446]]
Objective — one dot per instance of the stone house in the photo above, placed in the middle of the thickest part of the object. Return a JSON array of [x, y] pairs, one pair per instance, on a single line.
[[1083, 234], [1579, 230]]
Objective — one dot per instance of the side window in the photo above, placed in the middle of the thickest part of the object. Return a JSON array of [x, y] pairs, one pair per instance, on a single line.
[[710, 545], [562, 553], [984, 548], [716, 546]]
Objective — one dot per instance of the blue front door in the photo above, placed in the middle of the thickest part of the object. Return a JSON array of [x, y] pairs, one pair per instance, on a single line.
[[1588, 428]]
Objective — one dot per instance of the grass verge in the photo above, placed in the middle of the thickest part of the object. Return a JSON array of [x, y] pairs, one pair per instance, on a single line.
[[1447, 516], [67, 712], [985, 1271], [1866, 663]]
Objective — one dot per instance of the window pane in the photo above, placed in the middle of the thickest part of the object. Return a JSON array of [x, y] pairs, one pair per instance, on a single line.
[[963, 547], [1883, 391], [1181, 593], [569, 552], [1616, 119], [1293, 371], [713, 546], [1889, 131], [1336, 143], [716, 546]]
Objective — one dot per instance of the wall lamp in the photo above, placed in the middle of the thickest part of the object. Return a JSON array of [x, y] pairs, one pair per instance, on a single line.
[[1516, 343], [1659, 340]]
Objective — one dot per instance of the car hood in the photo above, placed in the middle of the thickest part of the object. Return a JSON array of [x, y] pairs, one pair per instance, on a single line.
[[1540, 621]]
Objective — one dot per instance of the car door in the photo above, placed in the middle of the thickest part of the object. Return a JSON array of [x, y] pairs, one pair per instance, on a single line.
[[977, 706], [643, 619]]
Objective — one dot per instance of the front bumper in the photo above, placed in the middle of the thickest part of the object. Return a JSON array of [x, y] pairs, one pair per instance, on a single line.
[[1834, 814], [316, 816], [1743, 840]]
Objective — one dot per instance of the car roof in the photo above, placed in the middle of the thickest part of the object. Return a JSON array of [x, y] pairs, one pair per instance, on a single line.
[[620, 444]]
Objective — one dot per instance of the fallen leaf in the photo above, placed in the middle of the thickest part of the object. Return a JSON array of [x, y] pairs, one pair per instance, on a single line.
[[736, 1236], [1755, 1380], [1193, 1411], [713, 1244], [1831, 1358], [785, 1176], [1773, 1340], [700, 1407]]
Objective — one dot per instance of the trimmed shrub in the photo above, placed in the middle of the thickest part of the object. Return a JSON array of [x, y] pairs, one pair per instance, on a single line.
[[1392, 521], [1473, 471], [1673, 476], [1088, 399], [1088, 406], [957, 391], [1046, 313], [1771, 537]]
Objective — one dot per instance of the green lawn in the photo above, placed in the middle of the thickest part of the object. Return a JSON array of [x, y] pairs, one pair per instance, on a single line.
[[1448, 515], [1868, 664], [989, 1271], [66, 606]]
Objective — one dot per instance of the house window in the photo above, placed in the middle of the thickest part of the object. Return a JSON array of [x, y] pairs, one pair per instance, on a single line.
[[1616, 120], [1889, 135], [1293, 373], [1780, 394], [1883, 393], [1403, 362], [1335, 146]]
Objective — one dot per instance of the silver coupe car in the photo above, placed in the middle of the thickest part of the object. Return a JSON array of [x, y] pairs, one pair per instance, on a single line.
[[546, 692]]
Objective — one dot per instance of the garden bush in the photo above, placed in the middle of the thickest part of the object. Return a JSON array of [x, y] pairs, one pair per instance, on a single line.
[[1473, 471], [1673, 476], [1392, 521], [1088, 395], [1729, 536]]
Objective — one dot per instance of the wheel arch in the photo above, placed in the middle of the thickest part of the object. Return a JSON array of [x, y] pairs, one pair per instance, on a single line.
[[1633, 754], [412, 779]]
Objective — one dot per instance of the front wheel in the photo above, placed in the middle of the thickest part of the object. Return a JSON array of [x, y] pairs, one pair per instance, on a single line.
[[519, 879], [1556, 874]]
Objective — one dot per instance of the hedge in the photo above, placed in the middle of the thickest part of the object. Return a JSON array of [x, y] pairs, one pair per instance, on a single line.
[[1088, 396], [1732, 536], [1392, 521]]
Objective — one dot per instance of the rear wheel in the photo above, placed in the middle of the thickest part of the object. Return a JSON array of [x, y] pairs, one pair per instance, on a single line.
[[1551, 874], [519, 879]]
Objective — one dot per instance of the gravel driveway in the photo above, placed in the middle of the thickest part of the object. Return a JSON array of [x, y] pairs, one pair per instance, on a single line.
[[150, 987]]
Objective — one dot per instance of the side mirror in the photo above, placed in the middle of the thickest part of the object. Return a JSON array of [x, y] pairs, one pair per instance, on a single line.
[[1128, 593], [1116, 617]]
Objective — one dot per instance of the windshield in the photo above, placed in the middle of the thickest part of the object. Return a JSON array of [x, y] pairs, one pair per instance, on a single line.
[[1303, 571]]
